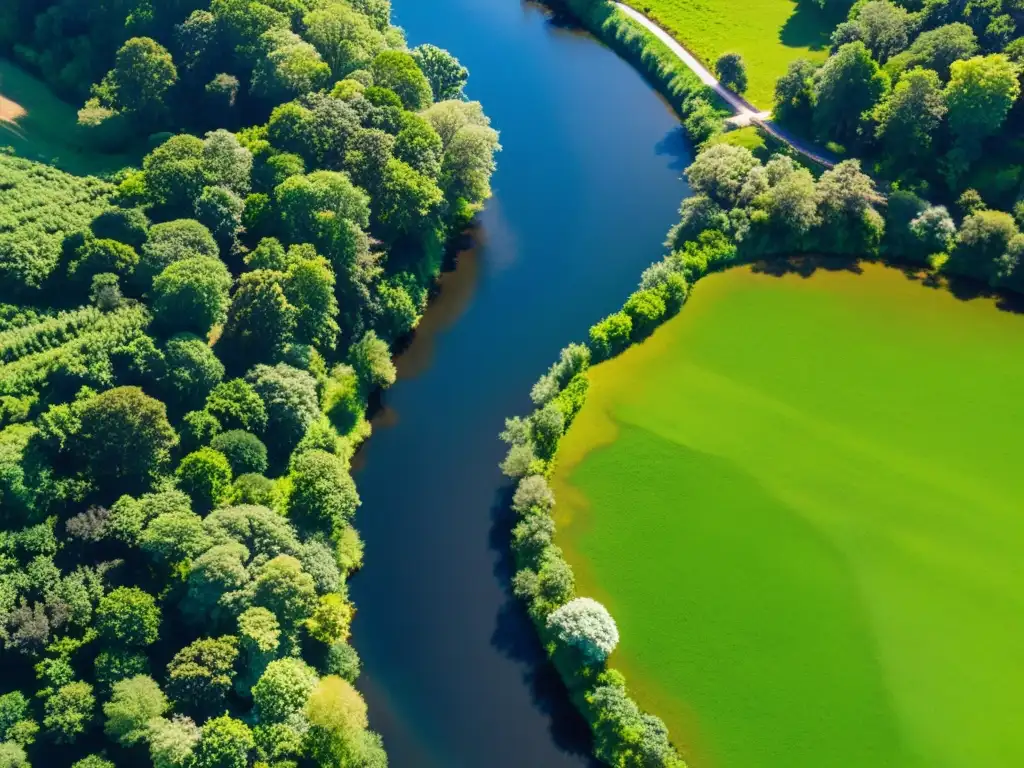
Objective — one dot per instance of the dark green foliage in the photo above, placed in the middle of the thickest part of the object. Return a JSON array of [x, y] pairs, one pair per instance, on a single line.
[[237, 405], [200, 674], [244, 451], [732, 71], [289, 396], [125, 438]]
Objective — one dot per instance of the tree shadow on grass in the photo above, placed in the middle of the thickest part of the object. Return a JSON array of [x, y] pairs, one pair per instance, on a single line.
[[810, 26], [806, 266], [965, 289], [516, 637]]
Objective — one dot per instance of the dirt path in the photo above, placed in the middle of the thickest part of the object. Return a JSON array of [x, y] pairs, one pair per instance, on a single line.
[[746, 113]]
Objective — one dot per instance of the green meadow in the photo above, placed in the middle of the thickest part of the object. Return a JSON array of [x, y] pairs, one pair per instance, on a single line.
[[40, 126], [803, 501], [768, 33]]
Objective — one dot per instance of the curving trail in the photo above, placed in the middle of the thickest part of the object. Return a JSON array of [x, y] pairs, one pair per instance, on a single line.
[[746, 113]]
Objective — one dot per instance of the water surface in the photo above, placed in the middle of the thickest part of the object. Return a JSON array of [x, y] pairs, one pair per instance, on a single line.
[[588, 184]]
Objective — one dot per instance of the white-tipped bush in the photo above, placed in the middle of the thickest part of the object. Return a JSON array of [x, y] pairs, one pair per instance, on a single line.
[[586, 625]]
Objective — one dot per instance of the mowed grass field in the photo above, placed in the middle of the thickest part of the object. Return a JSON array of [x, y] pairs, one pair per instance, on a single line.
[[42, 127], [803, 501], [768, 33]]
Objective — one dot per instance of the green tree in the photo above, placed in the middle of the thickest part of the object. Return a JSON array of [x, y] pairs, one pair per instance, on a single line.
[[96, 256], [200, 674], [419, 145], [732, 71], [290, 397], [370, 358], [143, 73], [446, 75], [283, 689], [398, 71], [117, 664], [983, 239], [236, 405], [407, 201], [173, 537], [303, 200], [938, 48], [979, 96], [323, 495], [172, 742], [882, 26], [213, 580], [174, 173], [245, 452], [847, 87], [310, 289], [128, 617], [193, 370], [127, 225], [288, 68], [13, 755], [134, 703], [331, 619], [205, 475], [220, 210], [337, 715], [794, 93], [284, 589], [260, 319], [175, 241], [226, 163], [344, 37], [69, 712], [224, 742], [125, 439], [260, 638], [911, 114]]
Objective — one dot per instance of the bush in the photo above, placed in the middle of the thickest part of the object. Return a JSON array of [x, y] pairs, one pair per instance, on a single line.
[[245, 452], [587, 626]]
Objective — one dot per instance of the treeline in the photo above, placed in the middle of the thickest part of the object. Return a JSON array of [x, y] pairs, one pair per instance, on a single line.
[[928, 94], [187, 355]]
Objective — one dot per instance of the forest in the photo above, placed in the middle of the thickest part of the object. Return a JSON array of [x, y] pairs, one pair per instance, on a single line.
[[188, 351]]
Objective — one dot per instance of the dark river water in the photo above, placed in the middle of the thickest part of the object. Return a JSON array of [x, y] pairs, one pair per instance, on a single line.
[[587, 185]]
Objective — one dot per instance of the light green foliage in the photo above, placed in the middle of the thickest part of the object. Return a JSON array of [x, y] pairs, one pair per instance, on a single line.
[[323, 496], [69, 712], [236, 405], [882, 26], [93, 761], [398, 71], [371, 360], [134, 703], [446, 75], [345, 38], [611, 335], [142, 75], [910, 116], [336, 714], [171, 742], [173, 537], [175, 241], [331, 619], [13, 756], [979, 95], [284, 589], [205, 476], [224, 742], [128, 617], [283, 689], [193, 370], [259, 636]]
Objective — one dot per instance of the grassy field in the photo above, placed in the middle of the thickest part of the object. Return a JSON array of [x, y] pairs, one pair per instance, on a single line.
[[801, 499], [39, 126], [768, 33]]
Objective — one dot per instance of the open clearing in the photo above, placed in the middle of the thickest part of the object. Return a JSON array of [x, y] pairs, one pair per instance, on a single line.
[[39, 126], [768, 33], [802, 501]]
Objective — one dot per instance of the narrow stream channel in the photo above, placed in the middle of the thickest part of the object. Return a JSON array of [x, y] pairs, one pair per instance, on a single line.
[[588, 183]]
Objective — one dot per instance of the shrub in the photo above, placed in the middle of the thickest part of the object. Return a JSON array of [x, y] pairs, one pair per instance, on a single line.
[[586, 625], [610, 336], [245, 452]]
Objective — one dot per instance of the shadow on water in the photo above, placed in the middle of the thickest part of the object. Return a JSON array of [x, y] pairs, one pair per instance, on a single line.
[[515, 637], [676, 146]]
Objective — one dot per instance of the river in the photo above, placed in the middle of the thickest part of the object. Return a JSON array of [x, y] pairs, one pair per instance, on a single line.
[[588, 184]]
